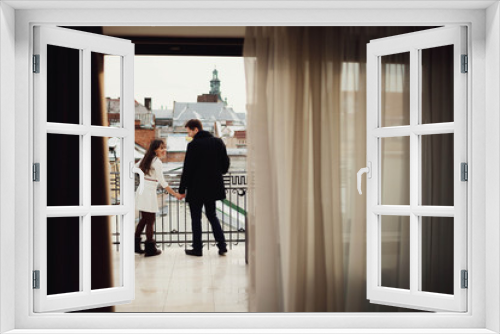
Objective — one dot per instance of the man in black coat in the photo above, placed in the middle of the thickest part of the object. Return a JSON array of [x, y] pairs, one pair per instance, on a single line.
[[205, 162]]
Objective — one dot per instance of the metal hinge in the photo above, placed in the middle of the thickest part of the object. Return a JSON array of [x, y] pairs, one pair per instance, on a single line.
[[464, 167], [36, 172], [465, 279], [36, 63], [465, 64], [36, 279]]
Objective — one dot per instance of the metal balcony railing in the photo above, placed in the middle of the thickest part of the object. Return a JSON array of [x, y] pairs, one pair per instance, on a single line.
[[173, 221]]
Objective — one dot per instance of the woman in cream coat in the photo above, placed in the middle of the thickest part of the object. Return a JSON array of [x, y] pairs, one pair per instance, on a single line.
[[147, 202]]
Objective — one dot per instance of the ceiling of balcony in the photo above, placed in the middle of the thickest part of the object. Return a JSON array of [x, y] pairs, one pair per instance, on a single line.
[[176, 32]]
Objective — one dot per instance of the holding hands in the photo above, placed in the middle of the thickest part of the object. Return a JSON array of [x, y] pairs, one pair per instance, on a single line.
[[172, 192], [179, 196]]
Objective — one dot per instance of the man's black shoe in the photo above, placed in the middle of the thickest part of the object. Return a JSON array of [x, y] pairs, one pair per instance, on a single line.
[[193, 252], [222, 251]]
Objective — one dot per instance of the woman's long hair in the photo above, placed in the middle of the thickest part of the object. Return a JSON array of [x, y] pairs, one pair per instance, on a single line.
[[146, 161]]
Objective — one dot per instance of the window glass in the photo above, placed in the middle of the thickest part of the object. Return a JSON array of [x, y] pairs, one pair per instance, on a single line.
[[63, 85], [63, 170], [395, 250], [63, 255], [395, 89]]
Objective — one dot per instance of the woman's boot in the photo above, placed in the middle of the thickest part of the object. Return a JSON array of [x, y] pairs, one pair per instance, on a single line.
[[151, 249], [138, 249]]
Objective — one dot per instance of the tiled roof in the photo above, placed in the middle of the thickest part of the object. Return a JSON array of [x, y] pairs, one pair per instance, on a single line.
[[186, 114], [113, 106], [163, 113], [140, 109], [205, 111]]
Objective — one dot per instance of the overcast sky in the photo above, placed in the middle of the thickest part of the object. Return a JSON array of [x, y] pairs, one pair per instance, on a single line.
[[172, 78]]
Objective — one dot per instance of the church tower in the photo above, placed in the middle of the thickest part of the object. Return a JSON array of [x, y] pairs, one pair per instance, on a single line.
[[215, 83], [214, 94]]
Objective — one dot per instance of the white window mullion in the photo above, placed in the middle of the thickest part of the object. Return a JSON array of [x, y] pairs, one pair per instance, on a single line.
[[127, 263], [433, 129], [406, 210], [392, 131], [40, 156], [414, 173], [422, 129], [419, 169], [128, 124], [434, 211], [80, 211], [376, 196], [372, 192], [86, 164], [392, 210], [80, 130], [128, 220], [66, 129], [460, 155]]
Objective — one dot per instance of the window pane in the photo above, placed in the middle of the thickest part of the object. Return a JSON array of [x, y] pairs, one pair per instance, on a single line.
[[63, 85], [437, 254], [437, 84], [106, 249], [395, 89], [437, 170], [105, 170], [108, 111], [395, 250], [63, 255], [395, 170], [63, 170]]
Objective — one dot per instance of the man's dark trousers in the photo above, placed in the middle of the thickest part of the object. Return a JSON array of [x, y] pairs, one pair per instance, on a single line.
[[195, 208]]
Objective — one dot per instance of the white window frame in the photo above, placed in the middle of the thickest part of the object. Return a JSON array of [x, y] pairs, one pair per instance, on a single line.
[[483, 99], [413, 43], [85, 43]]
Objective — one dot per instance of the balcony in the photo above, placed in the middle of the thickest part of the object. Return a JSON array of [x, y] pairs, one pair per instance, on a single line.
[[175, 282]]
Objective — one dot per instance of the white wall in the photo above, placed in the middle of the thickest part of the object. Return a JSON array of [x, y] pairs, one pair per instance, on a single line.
[[7, 159], [23, 130], [492, 164]]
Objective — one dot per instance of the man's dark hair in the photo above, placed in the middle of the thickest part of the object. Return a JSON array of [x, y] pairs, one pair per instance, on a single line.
[[194, 123]]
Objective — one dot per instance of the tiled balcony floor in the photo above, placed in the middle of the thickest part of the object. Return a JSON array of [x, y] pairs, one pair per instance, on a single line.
[[175, 282]]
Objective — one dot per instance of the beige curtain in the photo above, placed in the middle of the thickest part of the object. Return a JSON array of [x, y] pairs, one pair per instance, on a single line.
[[306, 93]]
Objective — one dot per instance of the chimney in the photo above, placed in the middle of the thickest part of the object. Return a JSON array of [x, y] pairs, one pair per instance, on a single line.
[[147, 103]]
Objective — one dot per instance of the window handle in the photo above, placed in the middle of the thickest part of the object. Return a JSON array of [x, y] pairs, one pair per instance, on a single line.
[[368, 171], [139, 171]]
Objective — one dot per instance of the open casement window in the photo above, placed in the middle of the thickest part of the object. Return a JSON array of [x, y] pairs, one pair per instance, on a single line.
[[416, 189], [77, 205]]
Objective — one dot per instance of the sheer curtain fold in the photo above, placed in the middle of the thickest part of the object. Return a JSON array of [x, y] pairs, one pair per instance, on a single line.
[[306, 95], [300, 71]]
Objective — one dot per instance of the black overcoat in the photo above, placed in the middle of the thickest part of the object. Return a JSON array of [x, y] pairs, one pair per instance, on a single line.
[[205, 162]]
